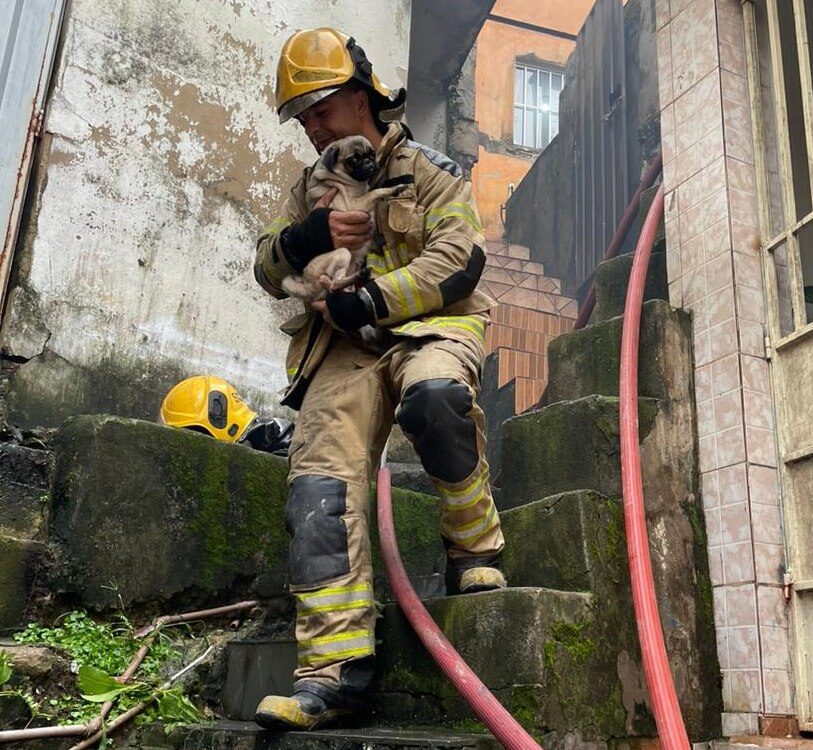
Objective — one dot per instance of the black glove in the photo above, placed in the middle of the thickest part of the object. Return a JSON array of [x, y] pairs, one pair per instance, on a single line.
[[348, 310], [302, 242]]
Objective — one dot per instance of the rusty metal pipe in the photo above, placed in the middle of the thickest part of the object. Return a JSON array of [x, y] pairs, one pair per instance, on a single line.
[[202, 614]]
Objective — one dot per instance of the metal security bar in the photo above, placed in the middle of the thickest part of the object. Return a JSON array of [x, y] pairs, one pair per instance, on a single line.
[[536, 105], [793, 171]]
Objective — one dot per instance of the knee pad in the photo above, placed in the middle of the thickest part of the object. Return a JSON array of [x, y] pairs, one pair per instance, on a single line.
[[434, 414], [313, 518]]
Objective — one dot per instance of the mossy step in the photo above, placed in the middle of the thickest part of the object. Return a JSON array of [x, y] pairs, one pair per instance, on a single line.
[[570, 445], [478, 625], [561, 542], [239, 735], [534, 648], [144, 512], [612, 279], [586, 361]]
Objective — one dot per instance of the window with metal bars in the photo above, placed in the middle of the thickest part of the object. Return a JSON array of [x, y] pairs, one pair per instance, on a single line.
[[536, 105], [781, 87]]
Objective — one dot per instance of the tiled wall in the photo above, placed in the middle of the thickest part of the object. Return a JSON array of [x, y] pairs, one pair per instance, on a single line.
[[715, 271]]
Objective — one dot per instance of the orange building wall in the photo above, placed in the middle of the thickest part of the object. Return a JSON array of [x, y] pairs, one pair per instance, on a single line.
[[498, 46]]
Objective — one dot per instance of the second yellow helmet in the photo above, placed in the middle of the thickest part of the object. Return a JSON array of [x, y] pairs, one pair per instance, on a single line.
[[208, 404]]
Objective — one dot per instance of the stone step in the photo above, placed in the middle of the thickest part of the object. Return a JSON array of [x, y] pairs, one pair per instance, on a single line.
[[571, 535], [25, 490], [20, 561], [246, 735], [512, 639], [570, 445], [586, 361], [612, 279], [174, 512], [535, 648], [559, 649]]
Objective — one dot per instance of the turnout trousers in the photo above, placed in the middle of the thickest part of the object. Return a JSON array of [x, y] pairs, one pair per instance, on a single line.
[[428, 386]]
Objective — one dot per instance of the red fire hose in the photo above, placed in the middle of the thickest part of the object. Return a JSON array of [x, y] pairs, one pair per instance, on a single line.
[[506, 729], [487, 708], [653, 650]]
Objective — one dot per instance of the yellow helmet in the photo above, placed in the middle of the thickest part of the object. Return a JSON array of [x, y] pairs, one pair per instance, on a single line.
[[208, 404], [315, 63]]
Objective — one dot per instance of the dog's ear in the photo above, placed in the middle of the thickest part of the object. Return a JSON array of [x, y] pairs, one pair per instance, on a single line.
[[330, 157]]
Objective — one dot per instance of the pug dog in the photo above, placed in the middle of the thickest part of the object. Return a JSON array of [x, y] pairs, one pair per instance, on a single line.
[[347, 165]]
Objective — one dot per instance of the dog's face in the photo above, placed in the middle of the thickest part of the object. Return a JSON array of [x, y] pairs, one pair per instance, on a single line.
[[353, 156]]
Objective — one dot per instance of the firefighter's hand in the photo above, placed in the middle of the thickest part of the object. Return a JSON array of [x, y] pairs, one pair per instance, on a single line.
[[344, 310], [350, 229]]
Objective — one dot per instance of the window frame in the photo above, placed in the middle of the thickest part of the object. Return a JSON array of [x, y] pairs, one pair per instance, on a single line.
[[538, 107]]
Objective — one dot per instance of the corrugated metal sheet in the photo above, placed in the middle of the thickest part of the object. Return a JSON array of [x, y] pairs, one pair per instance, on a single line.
[[600, 154], [28, 33], [567, 207]]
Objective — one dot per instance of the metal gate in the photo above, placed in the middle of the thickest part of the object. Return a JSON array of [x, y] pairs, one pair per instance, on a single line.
[[781, 92], [28, 35]]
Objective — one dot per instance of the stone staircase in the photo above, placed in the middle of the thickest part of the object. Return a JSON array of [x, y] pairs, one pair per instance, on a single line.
[[559, 648], [532, 311]]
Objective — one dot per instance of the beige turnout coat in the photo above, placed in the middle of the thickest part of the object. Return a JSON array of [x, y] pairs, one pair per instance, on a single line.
[[424, 269]]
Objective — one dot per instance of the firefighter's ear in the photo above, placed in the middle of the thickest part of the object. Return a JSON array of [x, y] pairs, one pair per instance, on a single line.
[[330, 157]]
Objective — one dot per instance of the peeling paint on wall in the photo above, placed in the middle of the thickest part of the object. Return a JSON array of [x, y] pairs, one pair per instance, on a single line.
[[164, 160]]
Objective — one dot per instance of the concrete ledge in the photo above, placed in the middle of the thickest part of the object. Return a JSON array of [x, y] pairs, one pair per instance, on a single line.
[[145, 512], [586, 362], [612, 280], [558, 542]]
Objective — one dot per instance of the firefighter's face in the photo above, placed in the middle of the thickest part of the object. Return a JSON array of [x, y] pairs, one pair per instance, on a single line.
[[336, 116]]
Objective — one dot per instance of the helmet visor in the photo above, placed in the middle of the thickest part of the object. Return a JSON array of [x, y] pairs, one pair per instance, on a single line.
[[301, 103]]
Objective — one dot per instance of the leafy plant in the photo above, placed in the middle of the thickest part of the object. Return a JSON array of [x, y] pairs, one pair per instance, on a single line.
[[106, 646], [101, 650], [5, 668]]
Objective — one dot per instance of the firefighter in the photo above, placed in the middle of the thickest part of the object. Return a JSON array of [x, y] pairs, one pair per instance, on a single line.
[[424, 375]]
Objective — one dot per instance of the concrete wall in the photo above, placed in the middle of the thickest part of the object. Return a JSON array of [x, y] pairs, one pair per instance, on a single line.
[[500, 162], [162, 158]]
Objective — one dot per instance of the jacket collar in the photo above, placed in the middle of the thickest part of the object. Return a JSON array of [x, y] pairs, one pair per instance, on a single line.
[[394, 136]]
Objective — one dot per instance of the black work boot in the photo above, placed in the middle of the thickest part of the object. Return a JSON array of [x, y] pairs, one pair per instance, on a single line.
[[303, 710], [470, 575]]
